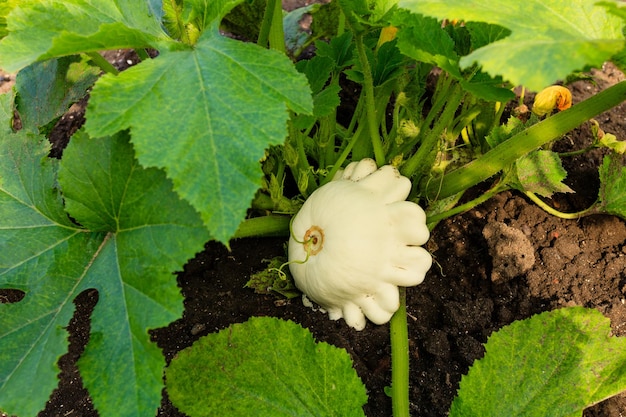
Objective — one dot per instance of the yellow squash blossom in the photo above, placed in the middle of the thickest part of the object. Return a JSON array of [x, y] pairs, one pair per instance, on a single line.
[[550, 98]]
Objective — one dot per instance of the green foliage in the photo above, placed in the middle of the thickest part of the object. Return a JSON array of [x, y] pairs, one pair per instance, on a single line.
[[177, 149], [546, 43], [46, 29], [47, 89], [274, 279], [553, 364], [612, 194], [5, 8], [123, 248], [264, 367], [210, 150], [540, 172]]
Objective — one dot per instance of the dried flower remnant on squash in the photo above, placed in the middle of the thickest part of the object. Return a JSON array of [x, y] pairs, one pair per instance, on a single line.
[[355, 240], [550, 98]]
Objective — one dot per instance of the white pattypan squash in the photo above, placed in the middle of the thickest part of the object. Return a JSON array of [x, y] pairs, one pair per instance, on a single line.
[[355, 240]]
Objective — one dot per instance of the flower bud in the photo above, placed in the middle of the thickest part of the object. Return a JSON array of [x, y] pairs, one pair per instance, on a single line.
[[550, 98]]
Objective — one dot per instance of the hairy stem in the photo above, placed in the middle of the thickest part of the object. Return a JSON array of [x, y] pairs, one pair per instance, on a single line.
[[370, 102], [400, 359], [449, 104]]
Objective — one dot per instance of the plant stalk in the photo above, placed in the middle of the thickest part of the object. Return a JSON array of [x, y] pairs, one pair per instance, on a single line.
[[277, 33], [557, 213], [104, 65], [462, 208], [266, 24], [263, 226], [519, 145], [370, 102], [400, 359], [448, 104]]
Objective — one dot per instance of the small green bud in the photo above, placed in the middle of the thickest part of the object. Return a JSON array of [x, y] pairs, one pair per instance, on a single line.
[[303, 181], [290, 154]]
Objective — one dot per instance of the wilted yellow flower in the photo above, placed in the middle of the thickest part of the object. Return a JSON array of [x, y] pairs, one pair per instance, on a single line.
[[550, 98], [387, 34]]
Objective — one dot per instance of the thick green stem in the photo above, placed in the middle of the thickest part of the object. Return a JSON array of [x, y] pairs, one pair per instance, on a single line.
[[400, 360], [277, 33], [266, 24], [519, 145], [343, 156], [272, 27], [104, 65], [370, 102], [263, 226]]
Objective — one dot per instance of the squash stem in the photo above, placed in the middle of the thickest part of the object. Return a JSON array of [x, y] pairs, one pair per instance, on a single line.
[[104, 65], [266, 24], [557, 213], [462, 208], [370, 102], [400, 359], [263, 226]]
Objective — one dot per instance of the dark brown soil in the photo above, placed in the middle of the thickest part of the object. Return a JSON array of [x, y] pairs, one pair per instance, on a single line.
[[576, 262]]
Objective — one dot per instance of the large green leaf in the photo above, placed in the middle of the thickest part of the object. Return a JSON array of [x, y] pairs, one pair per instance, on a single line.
[[45, 90], [137, 233], [206, 115], [264, 367], [42, 29], [548, 40], [554, 364]]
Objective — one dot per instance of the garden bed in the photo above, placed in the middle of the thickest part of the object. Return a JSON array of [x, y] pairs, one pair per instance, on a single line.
[[576, 262]]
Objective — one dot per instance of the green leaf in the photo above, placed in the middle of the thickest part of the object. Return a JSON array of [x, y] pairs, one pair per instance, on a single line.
[[205, 115], [554, 364], [5, 8], [546, 44], [44, 29], [422, 39], [268, 365], [6, 112], [47, 89], [296, 36], [142, 232], [540, 172], [612, 194]]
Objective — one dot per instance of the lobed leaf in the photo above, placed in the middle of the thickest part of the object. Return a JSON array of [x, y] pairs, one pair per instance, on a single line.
[[268, 365], [205, 115], [43, 29], [555, 363], [548, 41], [141, 233]]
